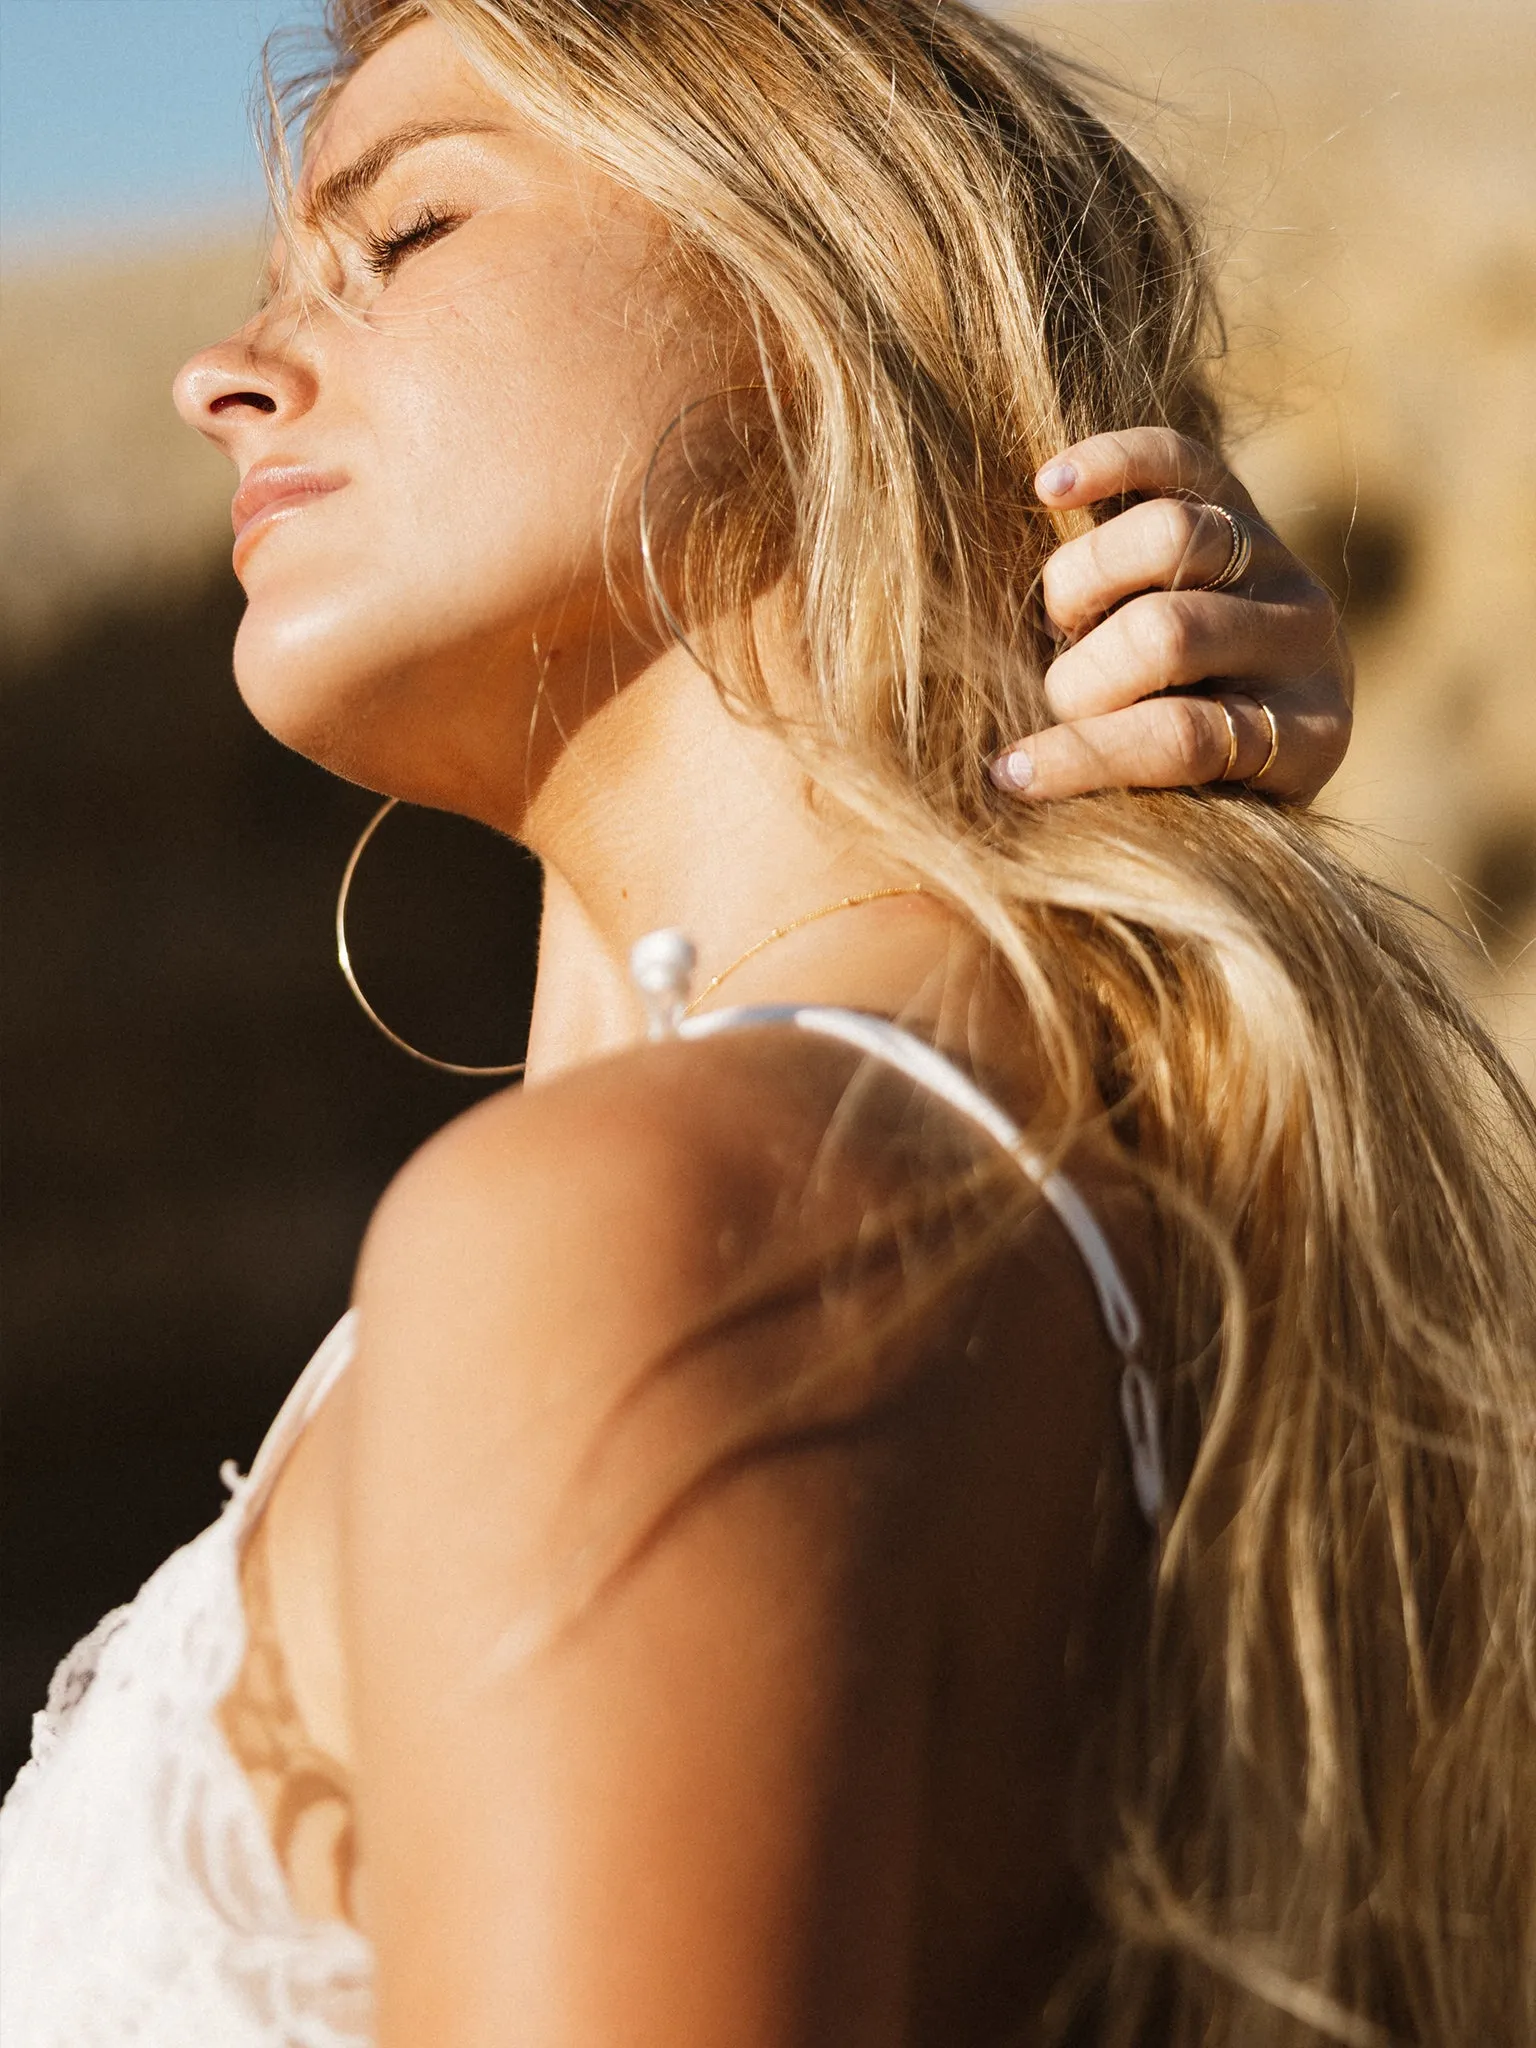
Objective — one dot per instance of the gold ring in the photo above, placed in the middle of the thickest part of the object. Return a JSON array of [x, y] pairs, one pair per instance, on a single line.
[[1240, 557], [1226, 711], [1274, 744]]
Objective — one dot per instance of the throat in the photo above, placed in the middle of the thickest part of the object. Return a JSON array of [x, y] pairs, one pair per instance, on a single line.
[[670, 811]]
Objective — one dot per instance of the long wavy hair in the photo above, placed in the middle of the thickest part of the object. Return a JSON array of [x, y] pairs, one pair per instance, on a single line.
[[1320, 1821]]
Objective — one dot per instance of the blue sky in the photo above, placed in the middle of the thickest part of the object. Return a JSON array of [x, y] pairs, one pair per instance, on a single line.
[[125, 120]]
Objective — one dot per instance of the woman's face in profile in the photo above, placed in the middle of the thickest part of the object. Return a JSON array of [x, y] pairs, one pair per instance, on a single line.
[[427, 476]]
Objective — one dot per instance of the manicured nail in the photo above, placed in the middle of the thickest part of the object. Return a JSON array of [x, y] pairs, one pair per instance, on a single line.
[[1013, 771], [1056, 479]]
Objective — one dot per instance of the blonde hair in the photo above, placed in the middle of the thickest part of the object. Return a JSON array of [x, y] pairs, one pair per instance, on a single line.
[[1322, 1821]]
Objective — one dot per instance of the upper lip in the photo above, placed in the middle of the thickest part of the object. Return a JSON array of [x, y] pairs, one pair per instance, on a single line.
[[274, 482]]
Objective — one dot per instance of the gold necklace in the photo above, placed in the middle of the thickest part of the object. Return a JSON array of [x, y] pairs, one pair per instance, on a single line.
[[797, 924], [672, 978]]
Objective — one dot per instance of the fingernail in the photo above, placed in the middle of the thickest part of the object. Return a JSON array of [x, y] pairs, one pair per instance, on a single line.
[[1013, 771], [1056, 479]]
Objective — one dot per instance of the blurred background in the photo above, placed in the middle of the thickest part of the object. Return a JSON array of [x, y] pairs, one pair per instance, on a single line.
[[197, 1120]]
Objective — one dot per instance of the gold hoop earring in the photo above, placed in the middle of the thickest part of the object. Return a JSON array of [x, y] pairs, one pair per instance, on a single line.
[[653, 581], [344, 961]]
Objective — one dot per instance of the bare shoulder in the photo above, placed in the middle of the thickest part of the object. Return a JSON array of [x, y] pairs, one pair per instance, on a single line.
[[620, 1196], [537, 1260], [561, 1235]]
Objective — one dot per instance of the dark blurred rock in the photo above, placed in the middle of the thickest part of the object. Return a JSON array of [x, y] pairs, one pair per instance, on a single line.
[[1503, 883], [1363, 553]]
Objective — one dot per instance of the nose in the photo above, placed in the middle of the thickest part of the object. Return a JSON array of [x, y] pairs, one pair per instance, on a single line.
[[235, 385]]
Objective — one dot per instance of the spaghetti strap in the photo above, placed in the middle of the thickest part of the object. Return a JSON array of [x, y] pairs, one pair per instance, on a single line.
[[879, 1038], [303, 1402]]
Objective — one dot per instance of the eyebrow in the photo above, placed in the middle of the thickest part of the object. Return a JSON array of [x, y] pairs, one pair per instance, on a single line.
[[335, 195]]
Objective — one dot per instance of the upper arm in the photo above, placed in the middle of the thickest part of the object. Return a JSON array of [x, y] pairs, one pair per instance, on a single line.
[[619, 1778]]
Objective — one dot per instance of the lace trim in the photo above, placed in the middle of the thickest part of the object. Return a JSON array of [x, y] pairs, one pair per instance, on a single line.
[[70, 1683]]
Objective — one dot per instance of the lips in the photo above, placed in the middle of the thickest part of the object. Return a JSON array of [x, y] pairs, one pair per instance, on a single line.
[[273, 489]]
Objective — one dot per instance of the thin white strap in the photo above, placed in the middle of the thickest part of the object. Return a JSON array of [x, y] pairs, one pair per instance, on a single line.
[[880, 1039], [303, 1402], [933, 1070]]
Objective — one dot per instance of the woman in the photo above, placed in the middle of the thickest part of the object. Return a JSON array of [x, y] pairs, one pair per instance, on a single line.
[[975, 1487]]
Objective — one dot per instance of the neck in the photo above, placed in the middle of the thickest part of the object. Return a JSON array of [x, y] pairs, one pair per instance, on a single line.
[[666, 810]]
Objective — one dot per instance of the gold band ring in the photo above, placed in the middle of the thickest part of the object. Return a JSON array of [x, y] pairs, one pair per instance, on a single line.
[[1242, 551], [1226, 711], [1274, 744]]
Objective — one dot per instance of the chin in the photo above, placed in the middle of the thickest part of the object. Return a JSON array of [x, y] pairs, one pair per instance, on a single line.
[[313, 677], [295, 679], [351, 687]]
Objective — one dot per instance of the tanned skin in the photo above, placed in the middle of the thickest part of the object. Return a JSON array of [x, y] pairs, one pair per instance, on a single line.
[[795, 1770]]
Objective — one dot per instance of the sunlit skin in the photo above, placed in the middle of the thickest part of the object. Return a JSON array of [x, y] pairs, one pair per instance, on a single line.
[[440, 625], [709, 1817]]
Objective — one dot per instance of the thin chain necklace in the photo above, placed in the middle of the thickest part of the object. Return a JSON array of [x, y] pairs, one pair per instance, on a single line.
[[797, 924]]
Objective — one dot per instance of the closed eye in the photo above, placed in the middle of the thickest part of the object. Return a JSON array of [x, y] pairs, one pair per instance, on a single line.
[[385, 253]]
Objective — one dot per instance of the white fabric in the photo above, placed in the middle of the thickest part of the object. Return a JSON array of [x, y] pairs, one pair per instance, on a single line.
[[141, 1901]]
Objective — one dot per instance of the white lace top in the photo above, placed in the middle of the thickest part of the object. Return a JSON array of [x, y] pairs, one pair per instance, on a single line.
[[141, 1900]]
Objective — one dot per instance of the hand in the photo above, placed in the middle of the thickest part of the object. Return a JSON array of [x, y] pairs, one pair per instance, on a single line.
[[1127, 602]]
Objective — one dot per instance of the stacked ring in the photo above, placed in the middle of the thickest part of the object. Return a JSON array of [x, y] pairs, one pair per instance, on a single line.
[[1226, 711], [1274, 744], [1258, 703], [1242, 551]]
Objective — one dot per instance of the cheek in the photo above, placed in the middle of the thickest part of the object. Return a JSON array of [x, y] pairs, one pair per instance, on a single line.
[[509, 442], [495, 452]]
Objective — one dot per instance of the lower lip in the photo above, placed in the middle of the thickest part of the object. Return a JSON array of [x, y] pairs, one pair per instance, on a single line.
[[270, 515]]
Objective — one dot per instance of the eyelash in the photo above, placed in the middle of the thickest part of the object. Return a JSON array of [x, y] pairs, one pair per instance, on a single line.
[[385, 253]]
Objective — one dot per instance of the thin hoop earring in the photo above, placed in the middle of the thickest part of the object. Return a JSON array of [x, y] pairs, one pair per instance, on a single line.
[[653, 582], [344, 961]]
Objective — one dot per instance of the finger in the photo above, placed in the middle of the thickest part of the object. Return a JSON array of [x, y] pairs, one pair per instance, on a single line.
[[1152, 459], [1311, 733], [1162, 544], [1167, 743], [1170, 639]]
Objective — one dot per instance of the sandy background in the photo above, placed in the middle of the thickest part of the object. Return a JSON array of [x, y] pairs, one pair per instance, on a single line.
[[198, 1122]]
